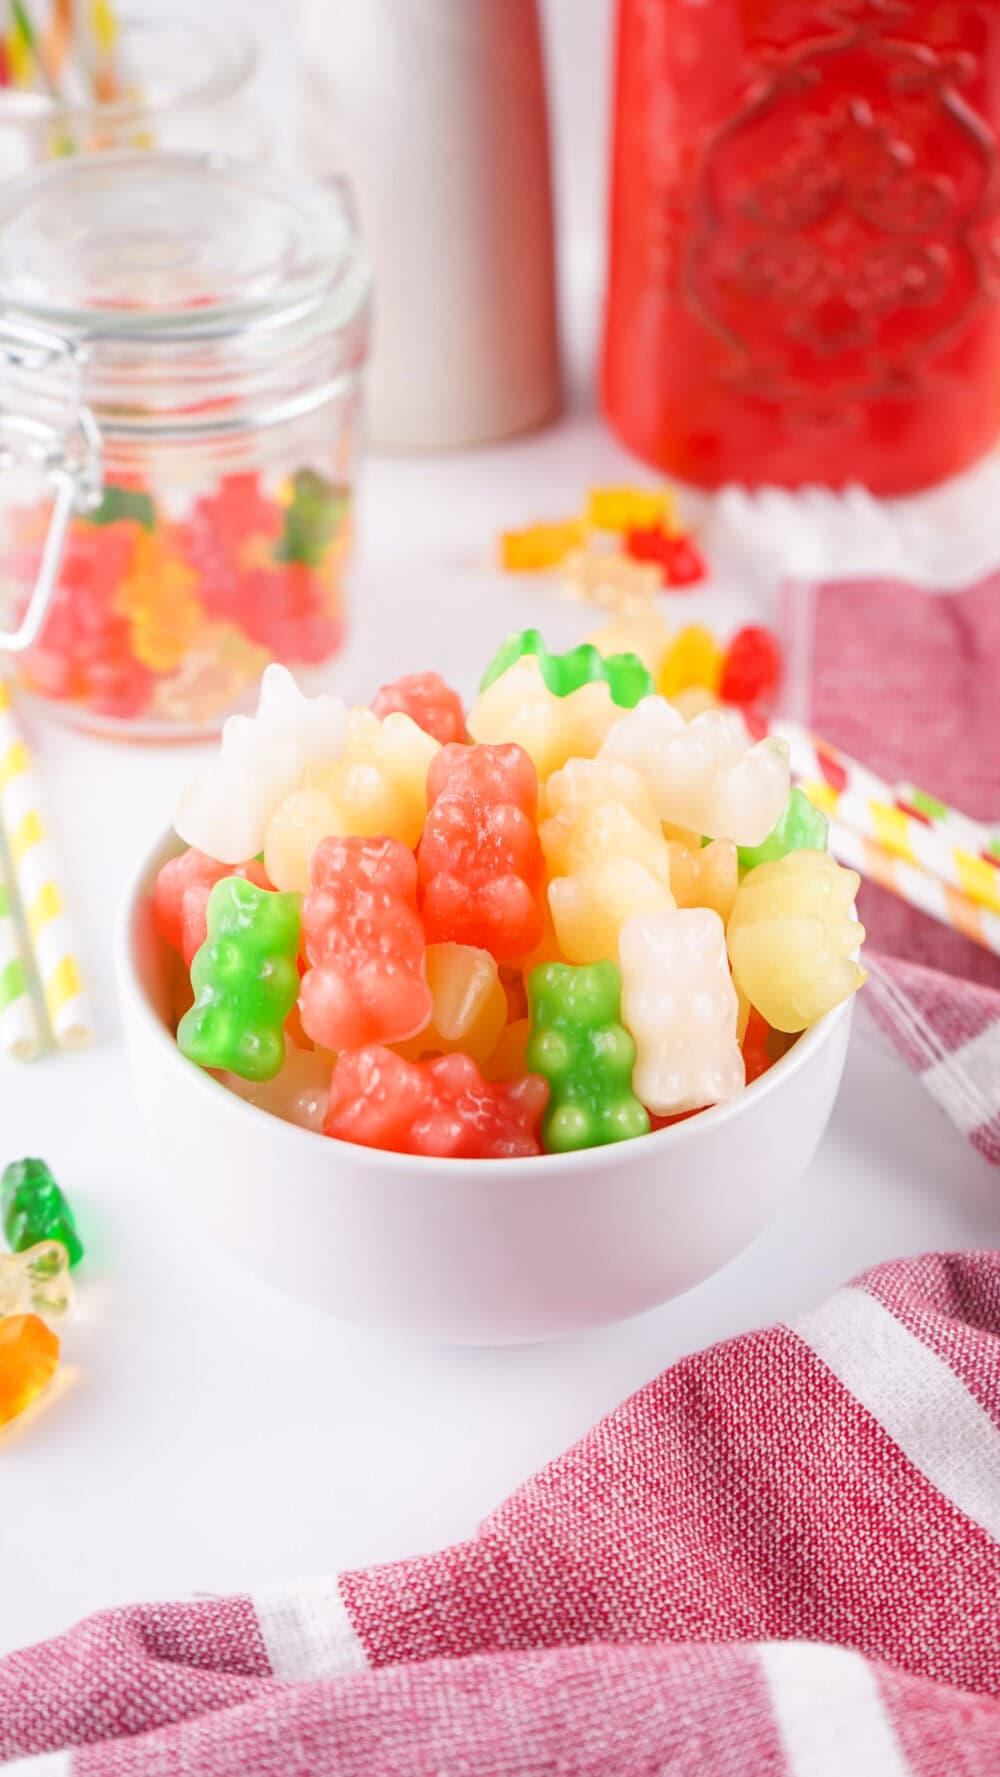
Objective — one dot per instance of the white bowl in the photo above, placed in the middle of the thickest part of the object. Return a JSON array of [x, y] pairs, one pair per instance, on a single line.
[[468, 1251]]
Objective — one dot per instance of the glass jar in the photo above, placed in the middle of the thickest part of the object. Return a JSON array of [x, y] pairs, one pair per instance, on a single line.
[[804, 279], [183, 85], [182, 342]]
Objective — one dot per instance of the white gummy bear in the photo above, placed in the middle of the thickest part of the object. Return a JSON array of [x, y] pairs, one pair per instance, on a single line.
[[679, 1002], [224, 811], [703, 774]]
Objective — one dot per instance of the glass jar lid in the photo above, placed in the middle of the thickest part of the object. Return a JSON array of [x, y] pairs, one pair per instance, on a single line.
[[170, 244]]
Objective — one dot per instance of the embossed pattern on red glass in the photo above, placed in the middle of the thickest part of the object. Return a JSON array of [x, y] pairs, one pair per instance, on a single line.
[[805, 239]]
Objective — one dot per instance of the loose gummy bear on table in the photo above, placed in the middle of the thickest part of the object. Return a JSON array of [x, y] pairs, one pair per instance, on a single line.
[[480, 861], [33, 1208]]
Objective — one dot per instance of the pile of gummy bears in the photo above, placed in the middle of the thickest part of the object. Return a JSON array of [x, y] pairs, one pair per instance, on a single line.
[[560, 919], [169, 621], [35, 1285]]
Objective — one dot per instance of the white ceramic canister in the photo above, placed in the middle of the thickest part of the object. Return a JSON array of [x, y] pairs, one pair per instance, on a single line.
[[436, 110]]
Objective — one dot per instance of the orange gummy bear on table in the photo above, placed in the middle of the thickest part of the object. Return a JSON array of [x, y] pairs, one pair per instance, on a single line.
[[29, 1356]]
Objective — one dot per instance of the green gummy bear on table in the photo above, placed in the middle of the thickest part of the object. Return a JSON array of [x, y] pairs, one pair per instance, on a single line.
[[246, 981], [584, 1051], [627, 679], [800, 827], [33, 1208]]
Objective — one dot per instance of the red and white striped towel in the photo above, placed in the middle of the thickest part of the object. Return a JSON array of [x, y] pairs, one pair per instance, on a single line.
[[782, 1557], [909, 682]]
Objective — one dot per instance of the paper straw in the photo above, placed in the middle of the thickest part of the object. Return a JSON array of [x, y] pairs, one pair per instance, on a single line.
[[859, 798], [49, 931], [20, 1026], [915, 886]]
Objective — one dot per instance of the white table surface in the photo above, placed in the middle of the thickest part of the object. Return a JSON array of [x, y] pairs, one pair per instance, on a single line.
[[210, 1435]]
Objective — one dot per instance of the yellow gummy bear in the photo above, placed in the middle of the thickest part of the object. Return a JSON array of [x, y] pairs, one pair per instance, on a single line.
[[157, 596], [791, 938], [539, 545], [507, 1061], [693, 658], [705, 875], [378, 785], [470, 1005], [520, 707], [630, 508], [605, 856]]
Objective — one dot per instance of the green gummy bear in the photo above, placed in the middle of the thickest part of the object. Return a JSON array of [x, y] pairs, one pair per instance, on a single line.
[[119, 503], [312, 516], [584, 1051], [33, 1209], [624, 674], [246, 981], [800, 827]]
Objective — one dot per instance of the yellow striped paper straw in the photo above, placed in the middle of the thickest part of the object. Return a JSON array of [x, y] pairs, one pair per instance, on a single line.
[[20, 1026], [862, 800], [915, 886], [49, 931]]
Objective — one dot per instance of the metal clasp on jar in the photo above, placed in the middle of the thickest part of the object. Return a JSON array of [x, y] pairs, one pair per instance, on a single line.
[[70, 458]]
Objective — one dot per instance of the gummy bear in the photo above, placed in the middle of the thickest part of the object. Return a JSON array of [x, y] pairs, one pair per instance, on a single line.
[[520, 708], [366, 982], [605, 855], [312, 517], [702, 774], [428, 701], [226, 809], [469, 1004], [679, 1003], [606, 577], [751, 671], [33, 1209], [181, 893], [508, 1060], [693, 658], [36, 1281], [756, 1058], [624, 674], [443, 1108], [642, 633], [799, 827], [627, 508], [791, 936], [705, 875], [580, 1046], [479, 859], [539, 545], [298, 1094], [29, 1358], [157, 597], [378, 786], [246, 979]]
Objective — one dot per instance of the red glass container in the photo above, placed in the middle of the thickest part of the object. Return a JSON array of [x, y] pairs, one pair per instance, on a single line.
[[804, 277]]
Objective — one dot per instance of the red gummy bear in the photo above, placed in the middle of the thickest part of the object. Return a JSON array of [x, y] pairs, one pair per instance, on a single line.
[[365, 944], [180, 897], [428, 701], [442, 1108], [480, 860], [751, 672], [756, 1058]]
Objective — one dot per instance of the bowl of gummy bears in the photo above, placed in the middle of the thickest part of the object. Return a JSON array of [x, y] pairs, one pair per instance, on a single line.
[[488, 1024]]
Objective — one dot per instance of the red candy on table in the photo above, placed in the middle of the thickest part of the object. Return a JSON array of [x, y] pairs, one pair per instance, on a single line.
[[443, 1108], [480, 861], [675, 552], [180, 897], [751, 671], [428, 701], [365, 945]]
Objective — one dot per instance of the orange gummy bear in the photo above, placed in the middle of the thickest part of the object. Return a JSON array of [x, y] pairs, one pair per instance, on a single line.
[[29, 1355]]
